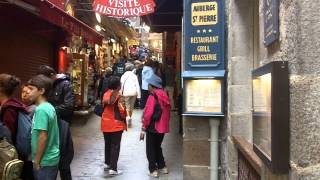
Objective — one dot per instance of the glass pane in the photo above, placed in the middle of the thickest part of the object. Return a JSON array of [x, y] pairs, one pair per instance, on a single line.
[[203, 95], [262, 113]]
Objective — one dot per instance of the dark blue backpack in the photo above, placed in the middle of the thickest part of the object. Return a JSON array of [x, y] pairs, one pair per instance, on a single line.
[[23, 138]]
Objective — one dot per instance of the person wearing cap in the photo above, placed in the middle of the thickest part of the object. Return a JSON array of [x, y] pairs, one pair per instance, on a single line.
[[130, 89], [155, 125]]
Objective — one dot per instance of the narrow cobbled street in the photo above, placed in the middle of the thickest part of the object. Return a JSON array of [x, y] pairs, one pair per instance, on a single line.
[[89, 151]]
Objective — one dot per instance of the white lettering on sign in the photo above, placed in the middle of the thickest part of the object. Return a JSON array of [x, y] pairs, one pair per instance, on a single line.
[[124, 3], [124, 8]]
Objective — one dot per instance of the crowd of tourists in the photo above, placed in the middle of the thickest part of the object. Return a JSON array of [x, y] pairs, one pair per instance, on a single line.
[[125, 86], [34, 127]]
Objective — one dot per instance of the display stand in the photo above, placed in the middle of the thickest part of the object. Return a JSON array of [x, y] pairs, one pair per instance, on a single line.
[[79, 79]]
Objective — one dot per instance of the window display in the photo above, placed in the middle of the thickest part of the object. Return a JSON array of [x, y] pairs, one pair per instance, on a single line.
[[262, 113], [79, 79], [203, 96], [270, 84]]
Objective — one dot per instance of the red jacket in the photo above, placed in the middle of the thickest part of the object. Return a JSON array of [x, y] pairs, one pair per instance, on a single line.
[[9, 115], [162, 126], [109, 121]]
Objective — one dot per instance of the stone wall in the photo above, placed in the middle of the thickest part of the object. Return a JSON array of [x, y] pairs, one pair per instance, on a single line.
[[304, 86], [196, 148], [240, 63], [299, 44]]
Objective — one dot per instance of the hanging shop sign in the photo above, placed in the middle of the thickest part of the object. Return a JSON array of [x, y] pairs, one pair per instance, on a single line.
[[271, 21], [204, 34], [124, 8]]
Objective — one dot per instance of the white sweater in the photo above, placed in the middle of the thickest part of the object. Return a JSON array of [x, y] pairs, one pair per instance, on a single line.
[[130, 84]]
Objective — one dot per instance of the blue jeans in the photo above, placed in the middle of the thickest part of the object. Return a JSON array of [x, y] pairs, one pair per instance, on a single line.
[[46, 173]]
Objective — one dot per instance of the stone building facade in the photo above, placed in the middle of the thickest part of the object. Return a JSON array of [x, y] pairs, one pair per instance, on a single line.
[[299, 44]]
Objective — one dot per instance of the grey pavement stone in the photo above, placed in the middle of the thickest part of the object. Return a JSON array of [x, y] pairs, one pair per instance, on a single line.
[[89, 151]]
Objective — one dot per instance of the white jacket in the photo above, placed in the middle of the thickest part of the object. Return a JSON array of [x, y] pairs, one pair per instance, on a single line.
[[130, 84]]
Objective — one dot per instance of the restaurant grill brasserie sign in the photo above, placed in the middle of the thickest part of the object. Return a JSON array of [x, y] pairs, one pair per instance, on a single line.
[[124, 8]]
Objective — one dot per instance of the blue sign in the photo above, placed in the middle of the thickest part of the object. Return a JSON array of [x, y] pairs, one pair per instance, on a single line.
[[271, 21], [204, 35]]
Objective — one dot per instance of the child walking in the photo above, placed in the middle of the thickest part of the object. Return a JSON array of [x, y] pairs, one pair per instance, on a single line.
[[155, 124]]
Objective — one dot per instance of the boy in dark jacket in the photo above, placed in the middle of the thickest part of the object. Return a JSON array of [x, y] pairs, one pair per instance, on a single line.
[[62, 97]]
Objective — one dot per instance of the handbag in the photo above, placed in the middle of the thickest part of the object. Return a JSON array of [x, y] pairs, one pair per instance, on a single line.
[[98, 110], [119, 111]]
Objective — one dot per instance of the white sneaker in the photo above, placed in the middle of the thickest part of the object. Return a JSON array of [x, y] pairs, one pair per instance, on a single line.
[[106, 167], [114, 173], [154, 174], [164, 170]]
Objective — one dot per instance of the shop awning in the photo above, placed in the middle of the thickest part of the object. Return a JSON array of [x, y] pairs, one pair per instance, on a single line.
[[52, 13], [73, 26]]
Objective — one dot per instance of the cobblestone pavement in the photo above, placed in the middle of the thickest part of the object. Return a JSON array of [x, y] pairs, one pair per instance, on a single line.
[[89, 155]]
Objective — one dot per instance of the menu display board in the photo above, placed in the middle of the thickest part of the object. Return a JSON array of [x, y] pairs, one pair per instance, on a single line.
[[270, 92], [203, 96], [204, 59]]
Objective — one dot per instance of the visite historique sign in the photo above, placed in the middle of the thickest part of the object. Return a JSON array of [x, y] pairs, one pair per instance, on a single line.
[[124, 8]]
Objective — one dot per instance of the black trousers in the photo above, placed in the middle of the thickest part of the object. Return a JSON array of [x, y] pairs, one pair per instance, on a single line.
[[112, 142], [65, 174], [154, 151], [144, 97]]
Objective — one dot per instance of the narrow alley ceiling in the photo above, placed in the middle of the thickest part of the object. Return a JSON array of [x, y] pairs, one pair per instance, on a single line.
[[113, 27], [167, 16]]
